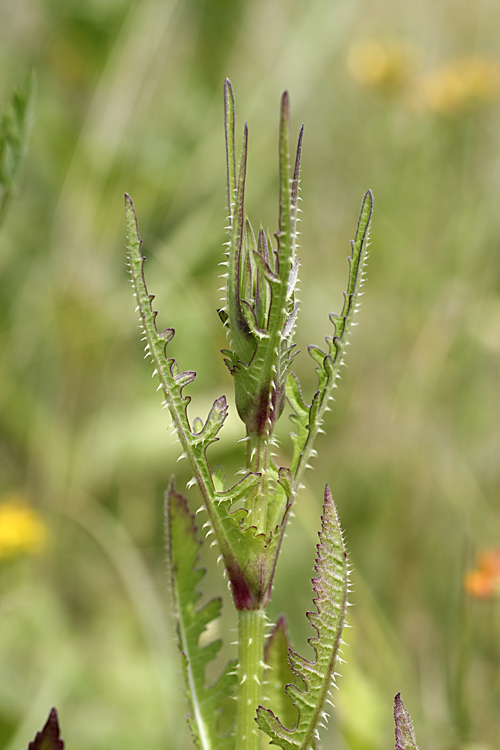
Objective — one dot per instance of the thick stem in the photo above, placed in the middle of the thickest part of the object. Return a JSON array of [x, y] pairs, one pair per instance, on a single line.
[[250, 677]]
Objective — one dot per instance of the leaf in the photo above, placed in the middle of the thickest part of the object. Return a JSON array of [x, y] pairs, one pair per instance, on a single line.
[[405, 737], [194, 442], [308, 420], [249, 558], [330, 586], [261, 307], [14, 130], [49, 738], [241, 337], [278, 673], [183, 549], [230, 148]]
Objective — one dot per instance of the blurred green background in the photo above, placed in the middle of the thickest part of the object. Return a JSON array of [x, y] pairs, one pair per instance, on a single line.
[[399, 97]]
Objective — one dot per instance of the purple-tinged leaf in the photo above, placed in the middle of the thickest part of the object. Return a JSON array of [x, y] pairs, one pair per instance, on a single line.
[[315, 678], [405, 736], [258, 329], [262, 298], [49, 738], [194, 442], [295, 183]]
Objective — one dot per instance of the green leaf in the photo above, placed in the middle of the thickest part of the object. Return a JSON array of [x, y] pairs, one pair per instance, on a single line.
[[241, 337], [278, 673], [405, 737], [49, 738], [261, 305], [308, 420], [309, 696], [230, 148], [183, 549], [194, 441], [249, 558], [14, 130]]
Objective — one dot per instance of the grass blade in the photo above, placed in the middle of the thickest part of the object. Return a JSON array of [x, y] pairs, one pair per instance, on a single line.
[[14, 130]]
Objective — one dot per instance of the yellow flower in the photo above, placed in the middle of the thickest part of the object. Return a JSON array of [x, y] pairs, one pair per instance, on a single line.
[[21, 529], [484, 581], [461, 85], [385, 66]]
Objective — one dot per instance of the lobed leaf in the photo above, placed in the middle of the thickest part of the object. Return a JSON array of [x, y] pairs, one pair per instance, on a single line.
[[49, 738], [405, 736], [315, 678], [235, 542], [194, 443], [183, 550]]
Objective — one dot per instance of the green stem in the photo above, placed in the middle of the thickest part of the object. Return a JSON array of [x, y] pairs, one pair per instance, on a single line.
[[257, 462], [250, 677]]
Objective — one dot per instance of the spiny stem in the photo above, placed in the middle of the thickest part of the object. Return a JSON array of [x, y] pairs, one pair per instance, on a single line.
[[250, 677]]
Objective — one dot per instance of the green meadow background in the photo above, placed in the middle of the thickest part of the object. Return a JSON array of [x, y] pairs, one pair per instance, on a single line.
[[399, 97]]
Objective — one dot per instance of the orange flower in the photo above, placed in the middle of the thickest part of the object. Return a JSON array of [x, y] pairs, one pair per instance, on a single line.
[[484, 581]]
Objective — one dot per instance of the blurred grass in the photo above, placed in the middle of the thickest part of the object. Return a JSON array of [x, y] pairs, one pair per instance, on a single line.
[[400, 98]]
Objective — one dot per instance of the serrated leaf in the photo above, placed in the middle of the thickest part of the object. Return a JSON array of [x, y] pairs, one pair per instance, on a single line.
[[194, 443], [14, 128], [49, 738], [308, 420], [260, 298], [330, 587], [248, 557], [405, 736], [183, 549]]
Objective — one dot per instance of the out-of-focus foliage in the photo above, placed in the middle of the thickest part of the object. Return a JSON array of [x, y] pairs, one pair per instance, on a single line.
[[129, 98], [14, 126]]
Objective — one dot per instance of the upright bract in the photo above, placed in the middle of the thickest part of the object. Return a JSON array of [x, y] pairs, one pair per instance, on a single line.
[[260, 313]]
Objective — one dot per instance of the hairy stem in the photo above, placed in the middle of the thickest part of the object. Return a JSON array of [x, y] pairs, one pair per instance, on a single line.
[[257, 462], [250, 677]]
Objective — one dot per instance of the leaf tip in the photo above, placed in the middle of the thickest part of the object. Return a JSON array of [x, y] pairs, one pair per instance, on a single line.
[[49, 738], [405, 736]]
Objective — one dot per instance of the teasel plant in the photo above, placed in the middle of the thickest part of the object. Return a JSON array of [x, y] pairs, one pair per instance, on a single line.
[[259, 314], [282, 698]]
